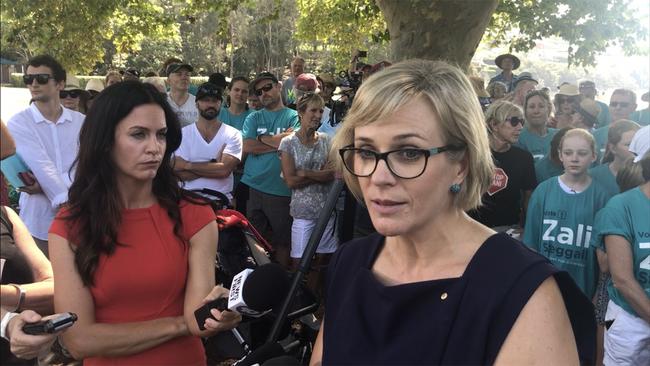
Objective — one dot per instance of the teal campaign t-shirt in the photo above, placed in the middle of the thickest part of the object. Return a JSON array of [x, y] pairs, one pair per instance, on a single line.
[[628, 215], [545, 169], [559, 226], [641, 117], [537, 146], [262, 171], [604, 176], [236, 121]]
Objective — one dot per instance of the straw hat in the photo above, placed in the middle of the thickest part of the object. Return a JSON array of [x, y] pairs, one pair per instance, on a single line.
[[568, 90], [72, 83], [515, 60]]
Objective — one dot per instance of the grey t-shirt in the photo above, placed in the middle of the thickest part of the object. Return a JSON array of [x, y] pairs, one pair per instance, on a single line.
[[307, 202]]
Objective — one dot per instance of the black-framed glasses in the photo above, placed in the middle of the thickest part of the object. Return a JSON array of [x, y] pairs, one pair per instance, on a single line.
[[263, 89], [42, 79], [619, 104], [69, 93], [514, 121], [405, 163]]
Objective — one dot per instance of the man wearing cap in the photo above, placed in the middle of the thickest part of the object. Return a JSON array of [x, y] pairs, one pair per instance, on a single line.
[[210, 150], [269, 196], [622, 104], [588, 91], [47, 139], [304, 83], [642, 117], [179, 98], [131, 74], [297, 68], [507, 62], [522, 85]]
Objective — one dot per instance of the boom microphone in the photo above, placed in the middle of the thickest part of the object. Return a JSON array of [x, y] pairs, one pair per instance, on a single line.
[[253, 293]]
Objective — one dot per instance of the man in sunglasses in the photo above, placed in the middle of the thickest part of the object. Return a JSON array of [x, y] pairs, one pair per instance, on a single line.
[[46, 136], [622, 104], [210, 149], [269, 196]]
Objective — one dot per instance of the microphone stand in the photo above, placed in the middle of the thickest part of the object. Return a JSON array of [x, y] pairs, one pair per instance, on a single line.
[[305, 261]]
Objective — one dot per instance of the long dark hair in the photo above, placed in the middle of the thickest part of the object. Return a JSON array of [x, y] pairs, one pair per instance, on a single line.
[[94, 206]]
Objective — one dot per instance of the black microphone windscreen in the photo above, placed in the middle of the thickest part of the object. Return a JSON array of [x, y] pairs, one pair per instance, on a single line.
[[266, 287]]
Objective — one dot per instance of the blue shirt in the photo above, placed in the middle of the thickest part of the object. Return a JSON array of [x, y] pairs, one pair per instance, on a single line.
[[537, 146], [545, 169], [559, 226], [641, 117], [604, 176], [626, 215], [236, 121], [262, 171], [509, 84]]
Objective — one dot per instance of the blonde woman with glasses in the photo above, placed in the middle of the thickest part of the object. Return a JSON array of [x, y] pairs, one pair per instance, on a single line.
[[434, 286]]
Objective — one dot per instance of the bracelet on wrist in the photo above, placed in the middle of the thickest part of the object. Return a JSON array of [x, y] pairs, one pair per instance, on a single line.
[[21, 296]]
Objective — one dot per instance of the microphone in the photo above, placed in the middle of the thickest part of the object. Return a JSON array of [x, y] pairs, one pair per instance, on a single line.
[[253, 293]]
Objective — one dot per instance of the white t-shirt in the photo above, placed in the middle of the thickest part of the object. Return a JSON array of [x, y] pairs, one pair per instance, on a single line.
[[196, 150], [187, 113]]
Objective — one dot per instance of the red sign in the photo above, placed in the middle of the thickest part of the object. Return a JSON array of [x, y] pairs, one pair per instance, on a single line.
[[499, 182]]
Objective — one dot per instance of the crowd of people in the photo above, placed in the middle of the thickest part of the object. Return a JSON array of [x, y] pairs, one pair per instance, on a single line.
[[108, 212]]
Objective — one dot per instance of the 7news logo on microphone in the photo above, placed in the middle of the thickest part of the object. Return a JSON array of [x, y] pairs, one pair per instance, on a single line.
[[236, 300]]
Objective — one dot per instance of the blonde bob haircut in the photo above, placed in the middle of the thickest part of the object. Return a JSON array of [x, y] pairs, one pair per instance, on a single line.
[[453, 101], [499, 111]]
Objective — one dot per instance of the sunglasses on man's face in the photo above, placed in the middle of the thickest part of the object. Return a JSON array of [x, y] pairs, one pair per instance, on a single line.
[[514, 121], [263, 89], [561, 100], [619, 104], [69, 93], [40, 78]]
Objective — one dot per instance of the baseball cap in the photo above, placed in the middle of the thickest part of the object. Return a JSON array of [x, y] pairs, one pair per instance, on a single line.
[[218, 79], [131, 71], [209, 90], [94, 85], [306, 82], [523, 77], [175, 67], [640, 143], [264, 75]]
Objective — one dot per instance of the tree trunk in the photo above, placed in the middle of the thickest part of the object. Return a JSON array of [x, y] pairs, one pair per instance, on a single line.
[[448, 30]]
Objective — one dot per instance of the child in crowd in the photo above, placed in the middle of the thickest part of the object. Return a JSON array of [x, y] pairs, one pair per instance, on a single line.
[[561, 212]]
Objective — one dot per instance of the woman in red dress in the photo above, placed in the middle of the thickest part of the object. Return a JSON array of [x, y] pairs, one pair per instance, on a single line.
[[133, 254]]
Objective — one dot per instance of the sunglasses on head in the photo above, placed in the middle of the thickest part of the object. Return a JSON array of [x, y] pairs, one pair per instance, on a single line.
[[263, 89], [619, 104], [69, 93], [514, 121], [40, 78]]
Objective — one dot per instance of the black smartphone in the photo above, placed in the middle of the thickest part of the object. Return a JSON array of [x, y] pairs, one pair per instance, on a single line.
[[50, 326], [203, 312]]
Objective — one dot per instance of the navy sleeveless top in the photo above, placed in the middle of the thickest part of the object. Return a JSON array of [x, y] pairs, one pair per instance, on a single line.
[[455, 321]]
